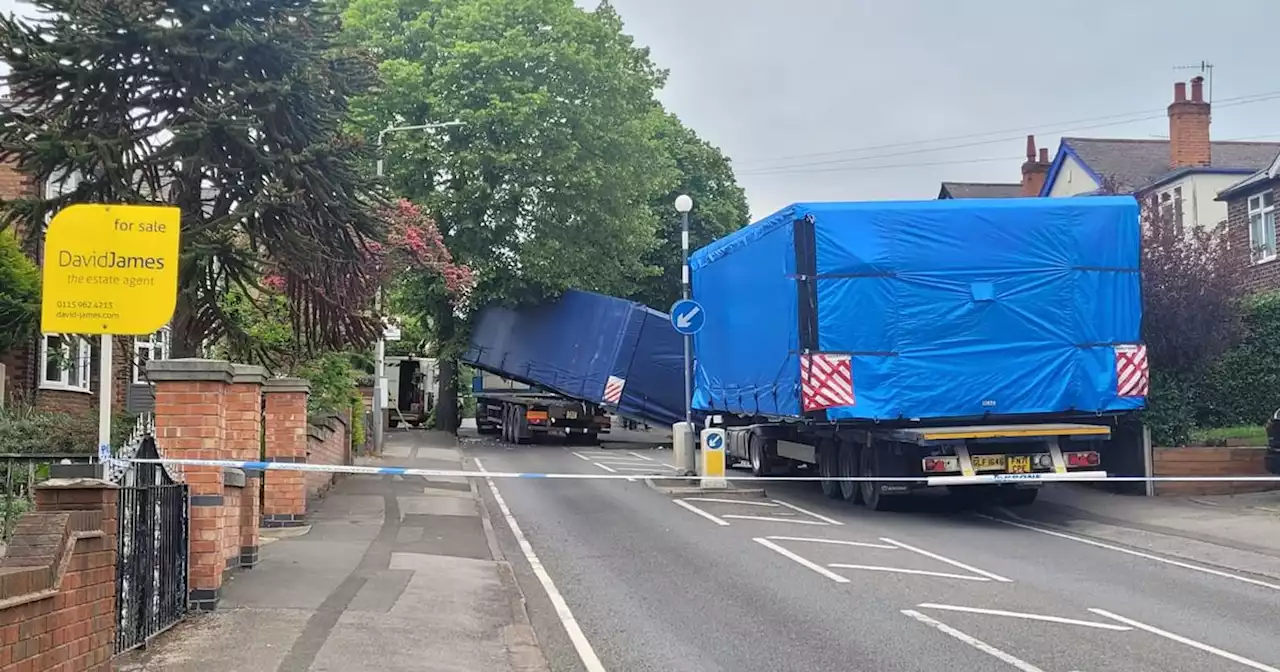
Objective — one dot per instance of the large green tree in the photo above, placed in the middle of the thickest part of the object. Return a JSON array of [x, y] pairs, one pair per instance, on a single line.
[[548, 183], [231, 110], [19, 294], [719, 208]]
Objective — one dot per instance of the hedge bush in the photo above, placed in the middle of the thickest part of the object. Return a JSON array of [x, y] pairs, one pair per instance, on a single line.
[[1243, 386], [29, 431]]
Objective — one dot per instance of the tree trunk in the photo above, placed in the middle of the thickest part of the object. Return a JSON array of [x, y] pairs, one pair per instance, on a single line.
[[447, 396], [184, 336]]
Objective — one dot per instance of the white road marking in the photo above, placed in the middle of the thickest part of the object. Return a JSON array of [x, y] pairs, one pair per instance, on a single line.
[[611, 470], [728, 501], [580, 456], [1189, 642], [801, 561], [643, 457], [634, 463], [1140, 554], [700, 512], [616, 467], [973, 641], [1029, 617], [586, 653], [838, 542], [807, 512], [768, 519], [918, 572], [949, 561]]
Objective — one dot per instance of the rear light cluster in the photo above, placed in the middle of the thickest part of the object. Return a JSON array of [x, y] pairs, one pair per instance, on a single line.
[[941, 464], [1088, 458], [536, 417]]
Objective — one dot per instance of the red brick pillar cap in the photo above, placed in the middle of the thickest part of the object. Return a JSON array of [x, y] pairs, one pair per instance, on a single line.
[[202, 370], [248, 374], [276, 385]]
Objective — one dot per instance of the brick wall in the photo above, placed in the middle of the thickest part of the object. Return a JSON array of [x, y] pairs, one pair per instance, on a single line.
[[328, 442], [57, 581], [1209, 461], [1256, 277], [284, 493]]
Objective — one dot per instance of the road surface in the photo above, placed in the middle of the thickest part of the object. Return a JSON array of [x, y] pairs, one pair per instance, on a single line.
[[621, 577]]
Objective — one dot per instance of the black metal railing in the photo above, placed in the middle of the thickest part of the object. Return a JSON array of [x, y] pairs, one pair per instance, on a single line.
[[20, 473], [151, 567]]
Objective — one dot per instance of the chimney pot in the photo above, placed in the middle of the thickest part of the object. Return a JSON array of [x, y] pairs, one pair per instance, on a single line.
[[1180, 92], [1044, 155], [1197, 89], [1031, 148]]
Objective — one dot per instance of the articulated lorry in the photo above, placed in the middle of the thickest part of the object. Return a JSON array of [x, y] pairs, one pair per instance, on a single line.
[[559, 368], [991, 344]]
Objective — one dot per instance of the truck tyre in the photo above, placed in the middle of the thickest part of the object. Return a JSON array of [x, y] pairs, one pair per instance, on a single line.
[[872, 498], [847, 467], [508, 423], [520, 427], [758, 449], [828, 459]]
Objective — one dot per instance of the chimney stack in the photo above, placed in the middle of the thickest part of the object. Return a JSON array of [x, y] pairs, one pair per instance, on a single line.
[[1189, 127], [1034, 172]]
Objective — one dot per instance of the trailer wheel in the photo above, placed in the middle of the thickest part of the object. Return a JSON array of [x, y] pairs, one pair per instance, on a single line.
[[508, 423], [828, 466], [758, 450], [847, 467], [872, 498], [519, 427]]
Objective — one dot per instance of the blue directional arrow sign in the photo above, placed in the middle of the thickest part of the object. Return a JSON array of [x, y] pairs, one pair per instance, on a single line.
[[715, 441], [687, 316]]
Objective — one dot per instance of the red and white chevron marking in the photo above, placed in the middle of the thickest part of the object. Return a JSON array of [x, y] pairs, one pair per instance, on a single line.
[[613, 390], [1132, 377], [826, 381]]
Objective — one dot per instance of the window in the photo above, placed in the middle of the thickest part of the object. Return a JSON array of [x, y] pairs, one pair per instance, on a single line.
[[68, 361], [147, 348], [1262, 227]]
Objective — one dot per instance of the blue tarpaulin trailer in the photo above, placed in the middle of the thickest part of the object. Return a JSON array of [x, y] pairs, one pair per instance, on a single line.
[[838, 334], [596, 351]]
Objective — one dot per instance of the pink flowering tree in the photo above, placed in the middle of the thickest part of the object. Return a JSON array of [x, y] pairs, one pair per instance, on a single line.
[[415, 252]]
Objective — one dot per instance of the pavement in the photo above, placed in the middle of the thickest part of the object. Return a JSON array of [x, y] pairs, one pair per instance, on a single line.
[[394, 574], [621, 576]]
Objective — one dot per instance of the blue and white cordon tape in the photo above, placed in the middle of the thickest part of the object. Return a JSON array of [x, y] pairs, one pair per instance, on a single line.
[[1085, 477]]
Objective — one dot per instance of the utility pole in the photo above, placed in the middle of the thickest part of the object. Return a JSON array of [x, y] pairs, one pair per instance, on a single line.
[[380, 395], [683, 205]]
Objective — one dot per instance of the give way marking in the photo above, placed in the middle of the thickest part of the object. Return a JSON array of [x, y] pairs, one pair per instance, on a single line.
[[1124, 625], [886, 544], [776, 506]]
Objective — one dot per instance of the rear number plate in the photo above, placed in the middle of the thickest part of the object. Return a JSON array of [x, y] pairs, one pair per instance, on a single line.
[[572, 415], [987, 462], [1019, 464]]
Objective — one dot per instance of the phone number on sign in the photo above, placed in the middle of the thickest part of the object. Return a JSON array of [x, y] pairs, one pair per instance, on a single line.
[[87, 305]]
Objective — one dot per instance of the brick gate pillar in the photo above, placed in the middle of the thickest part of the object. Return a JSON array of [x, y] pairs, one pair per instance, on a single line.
[[190, 416], [244, 442], [284, 493]]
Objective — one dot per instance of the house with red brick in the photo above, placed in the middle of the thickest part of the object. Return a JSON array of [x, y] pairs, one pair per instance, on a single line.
[[1185, 173], [1034, 171], [61, 371], [1251, 225]]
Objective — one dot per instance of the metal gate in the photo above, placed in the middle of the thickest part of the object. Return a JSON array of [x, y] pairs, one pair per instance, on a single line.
[[151, 567]]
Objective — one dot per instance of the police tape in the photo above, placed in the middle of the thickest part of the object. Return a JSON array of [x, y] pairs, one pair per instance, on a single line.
[[1083, 477]]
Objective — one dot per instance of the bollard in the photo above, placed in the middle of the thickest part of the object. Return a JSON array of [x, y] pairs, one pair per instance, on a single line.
[[683, 449], [713, 461]]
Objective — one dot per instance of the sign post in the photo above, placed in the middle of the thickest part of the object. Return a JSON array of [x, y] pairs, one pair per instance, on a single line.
[[110, 270], [713, 462]]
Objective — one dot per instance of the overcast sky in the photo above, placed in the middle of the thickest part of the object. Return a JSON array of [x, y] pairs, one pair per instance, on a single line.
[[880, 99], [789, 89]]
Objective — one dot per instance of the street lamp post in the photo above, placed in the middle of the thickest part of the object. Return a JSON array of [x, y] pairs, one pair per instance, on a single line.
[[380, 356], [683, 205]]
